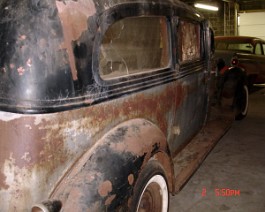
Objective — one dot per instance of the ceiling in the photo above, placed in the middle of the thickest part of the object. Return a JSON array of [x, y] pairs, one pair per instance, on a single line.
[[243, 4]]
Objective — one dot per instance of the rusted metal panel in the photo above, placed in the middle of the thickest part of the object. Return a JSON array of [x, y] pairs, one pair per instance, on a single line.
[[125, 152], [189, 159], [37, 150]]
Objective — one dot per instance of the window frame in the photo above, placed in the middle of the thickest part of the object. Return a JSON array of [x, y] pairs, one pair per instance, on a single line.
[[263, 48], [111, 19], [260, 47], [178, 47], [114, 54]]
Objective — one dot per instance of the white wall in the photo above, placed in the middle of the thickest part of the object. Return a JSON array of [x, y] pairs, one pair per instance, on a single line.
[[252, 24]]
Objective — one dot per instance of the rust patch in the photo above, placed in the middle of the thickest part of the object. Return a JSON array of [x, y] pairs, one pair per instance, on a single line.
[[110, 199], [130, 179], [168, 166], [22, 37], [29, 62], [20, 70], [12, 66], [74, 16], [75, 194], [105, 188], [142, 131], [3, 185]]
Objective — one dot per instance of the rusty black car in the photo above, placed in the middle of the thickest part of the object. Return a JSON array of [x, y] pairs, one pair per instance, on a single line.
[[103, 104]]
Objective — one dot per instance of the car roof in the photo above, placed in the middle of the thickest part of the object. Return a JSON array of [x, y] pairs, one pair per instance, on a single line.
[[103, 5], [248, 39]]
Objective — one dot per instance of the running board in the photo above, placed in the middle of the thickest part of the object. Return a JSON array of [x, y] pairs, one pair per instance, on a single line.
[[189, 159]]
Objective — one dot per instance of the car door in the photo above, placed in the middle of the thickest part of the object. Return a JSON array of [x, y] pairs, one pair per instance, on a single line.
[[256, 63], [191, 65], [260, 54]]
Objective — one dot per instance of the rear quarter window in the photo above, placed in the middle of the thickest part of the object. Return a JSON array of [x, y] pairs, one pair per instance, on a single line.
[[189, 41], [134, 45]]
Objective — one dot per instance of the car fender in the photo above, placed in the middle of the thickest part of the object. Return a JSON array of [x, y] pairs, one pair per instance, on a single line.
[[103, 178]]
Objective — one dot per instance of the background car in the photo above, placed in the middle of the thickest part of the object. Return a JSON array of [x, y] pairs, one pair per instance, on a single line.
[[245, 52]]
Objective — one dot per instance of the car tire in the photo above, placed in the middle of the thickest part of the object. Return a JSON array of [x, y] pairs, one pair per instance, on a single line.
[[242, 102], [151, 190]]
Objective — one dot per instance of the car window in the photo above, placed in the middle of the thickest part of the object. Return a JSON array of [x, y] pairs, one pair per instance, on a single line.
[[235, 45], [258, 50], [134, 45], [247, 47], [189, 41]]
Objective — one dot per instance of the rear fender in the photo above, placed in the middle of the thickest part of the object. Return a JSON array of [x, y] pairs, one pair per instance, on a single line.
[[103, 179]]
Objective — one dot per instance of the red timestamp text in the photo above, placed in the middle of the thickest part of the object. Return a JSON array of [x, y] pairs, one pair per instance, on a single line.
[[226, 192], [222, 192]]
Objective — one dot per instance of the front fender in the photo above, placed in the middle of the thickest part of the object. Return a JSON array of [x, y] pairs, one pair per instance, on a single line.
[[230, 81], [103, 179]]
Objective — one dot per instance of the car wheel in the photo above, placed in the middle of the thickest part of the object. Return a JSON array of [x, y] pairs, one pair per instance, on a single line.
[[241, 103], [151, 190]]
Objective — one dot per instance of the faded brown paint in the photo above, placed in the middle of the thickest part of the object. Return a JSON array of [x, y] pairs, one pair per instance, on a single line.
[[167, 164], [74, 16], [110, 199]]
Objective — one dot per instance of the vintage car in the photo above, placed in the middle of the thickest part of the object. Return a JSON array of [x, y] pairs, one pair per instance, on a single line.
[[245, 52], [104, 105]]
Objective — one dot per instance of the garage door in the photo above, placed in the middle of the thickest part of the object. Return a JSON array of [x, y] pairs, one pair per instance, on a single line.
[[252, 24]]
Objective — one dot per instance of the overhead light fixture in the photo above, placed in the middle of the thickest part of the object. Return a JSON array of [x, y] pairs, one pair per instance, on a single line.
[[206, 6]]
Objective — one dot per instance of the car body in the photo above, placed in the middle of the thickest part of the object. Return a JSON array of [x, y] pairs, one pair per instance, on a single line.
[[245, 52], [98, 100]]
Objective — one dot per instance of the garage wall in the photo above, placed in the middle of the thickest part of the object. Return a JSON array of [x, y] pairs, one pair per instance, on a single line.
[[252, 24]]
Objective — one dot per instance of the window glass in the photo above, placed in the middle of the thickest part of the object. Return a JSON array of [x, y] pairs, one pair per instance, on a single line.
[[247, 47], [189, 41], [263, 46], [234, 45], [134, 45], [258, 49]]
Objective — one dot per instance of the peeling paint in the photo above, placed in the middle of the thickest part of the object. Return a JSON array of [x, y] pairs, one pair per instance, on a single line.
[[6, 117], [20, 70], [105, 188], [74, 16], [110, 199], [131, 179]]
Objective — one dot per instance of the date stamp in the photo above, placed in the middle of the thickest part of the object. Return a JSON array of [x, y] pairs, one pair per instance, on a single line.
[[222, 192]]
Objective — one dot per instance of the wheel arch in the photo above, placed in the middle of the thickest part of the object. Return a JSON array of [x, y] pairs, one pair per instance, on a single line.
[[103, 178]]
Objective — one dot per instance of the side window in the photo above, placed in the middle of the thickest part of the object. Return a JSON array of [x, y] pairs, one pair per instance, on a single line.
[[189, 41], [134, 45], [258, 50]]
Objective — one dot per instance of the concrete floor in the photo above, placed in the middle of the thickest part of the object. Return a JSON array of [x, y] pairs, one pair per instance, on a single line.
[[236, 164]]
